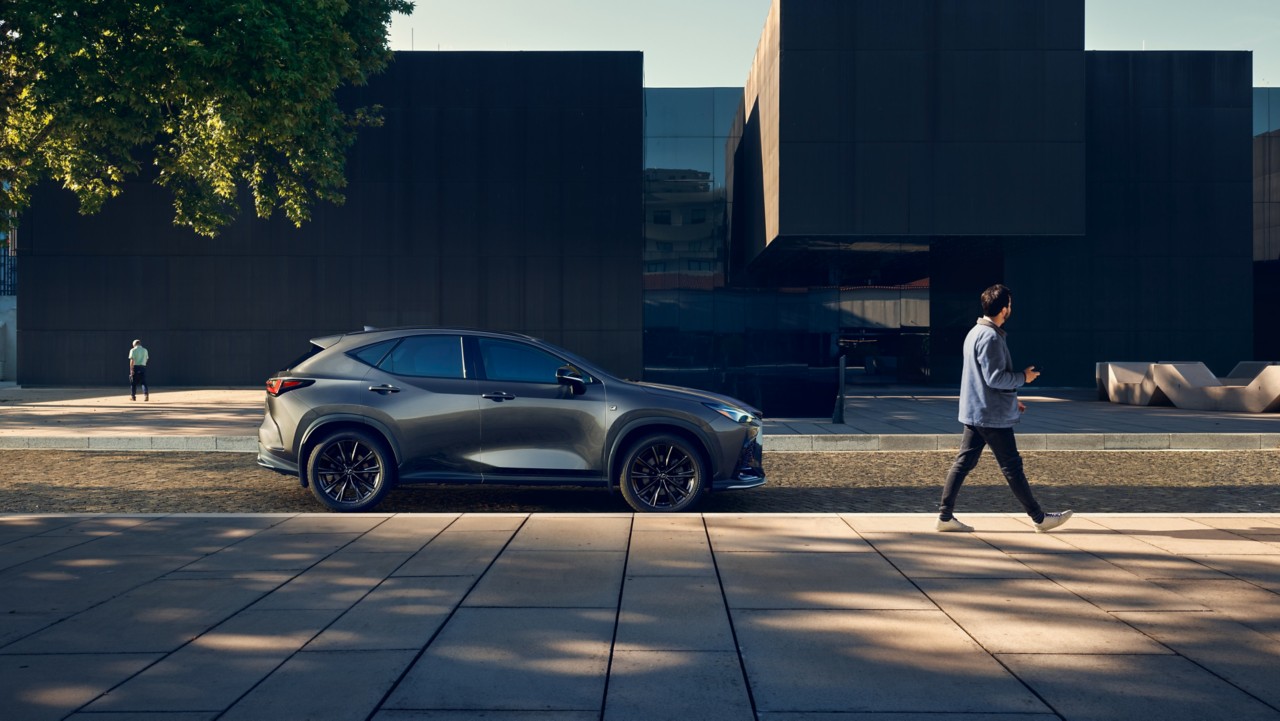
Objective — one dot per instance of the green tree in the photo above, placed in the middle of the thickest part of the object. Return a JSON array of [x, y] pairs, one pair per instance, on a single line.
[[220, 94]]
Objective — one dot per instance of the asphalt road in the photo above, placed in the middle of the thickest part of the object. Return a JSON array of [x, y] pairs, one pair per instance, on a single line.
[[1098, 482]]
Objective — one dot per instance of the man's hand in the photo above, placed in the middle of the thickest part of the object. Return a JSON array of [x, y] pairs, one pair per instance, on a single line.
[[1022, 407], [1031, 373]]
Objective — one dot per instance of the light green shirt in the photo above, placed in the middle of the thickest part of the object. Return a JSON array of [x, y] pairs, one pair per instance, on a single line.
[[139, 355]]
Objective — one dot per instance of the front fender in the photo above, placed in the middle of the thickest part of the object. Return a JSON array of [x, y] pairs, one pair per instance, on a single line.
[[624, 428]]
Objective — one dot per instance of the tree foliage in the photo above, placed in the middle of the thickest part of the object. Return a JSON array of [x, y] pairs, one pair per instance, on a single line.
[[219, 94]]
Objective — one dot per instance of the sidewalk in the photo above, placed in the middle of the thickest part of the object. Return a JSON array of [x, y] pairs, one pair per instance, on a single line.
[[882, 419], [621, 617]]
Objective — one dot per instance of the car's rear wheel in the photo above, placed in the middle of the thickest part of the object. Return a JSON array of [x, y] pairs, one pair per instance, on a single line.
[[350, 470], [662, 473]]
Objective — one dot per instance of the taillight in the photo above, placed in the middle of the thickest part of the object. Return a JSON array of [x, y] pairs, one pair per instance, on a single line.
[[278, 386]]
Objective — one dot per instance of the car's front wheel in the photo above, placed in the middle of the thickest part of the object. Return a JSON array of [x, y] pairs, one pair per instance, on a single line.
[[662, 473], [350, 470]]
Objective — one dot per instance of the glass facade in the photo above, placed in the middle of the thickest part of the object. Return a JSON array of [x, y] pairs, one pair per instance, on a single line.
[[1266, 174], [770, 332]]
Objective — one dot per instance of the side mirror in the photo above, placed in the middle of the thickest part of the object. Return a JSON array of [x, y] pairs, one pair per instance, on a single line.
[[569, 376]]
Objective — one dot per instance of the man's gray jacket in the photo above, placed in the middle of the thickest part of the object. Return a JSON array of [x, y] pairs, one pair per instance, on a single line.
[[989, 385]]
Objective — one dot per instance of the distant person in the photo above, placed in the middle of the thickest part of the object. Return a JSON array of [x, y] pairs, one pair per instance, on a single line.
[[989, 407], [138, 357]]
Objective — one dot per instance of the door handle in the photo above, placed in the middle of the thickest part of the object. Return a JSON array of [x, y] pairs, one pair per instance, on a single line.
[[499, 397], [384, 389]]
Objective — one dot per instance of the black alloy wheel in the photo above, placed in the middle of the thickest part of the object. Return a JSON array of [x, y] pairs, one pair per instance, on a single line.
[[662, 474], [350, 471]]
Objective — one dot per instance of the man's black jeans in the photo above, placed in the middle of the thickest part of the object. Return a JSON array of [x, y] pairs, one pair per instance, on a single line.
[[1005, 449]]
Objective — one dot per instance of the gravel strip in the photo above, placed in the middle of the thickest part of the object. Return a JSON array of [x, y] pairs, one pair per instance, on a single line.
[[1100, 482]]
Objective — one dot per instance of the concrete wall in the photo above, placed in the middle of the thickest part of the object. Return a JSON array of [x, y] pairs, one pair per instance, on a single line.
[[503, 192]]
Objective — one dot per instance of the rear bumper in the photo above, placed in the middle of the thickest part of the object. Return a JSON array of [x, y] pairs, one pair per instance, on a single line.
[[277, 459]]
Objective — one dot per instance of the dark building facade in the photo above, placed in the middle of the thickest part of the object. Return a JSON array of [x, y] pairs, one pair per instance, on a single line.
[[973, 143], [885, 161], [1266, 223], [500, 193]]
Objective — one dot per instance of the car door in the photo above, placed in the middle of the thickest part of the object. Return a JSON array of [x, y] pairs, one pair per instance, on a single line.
[[533, 428], [422, 388]]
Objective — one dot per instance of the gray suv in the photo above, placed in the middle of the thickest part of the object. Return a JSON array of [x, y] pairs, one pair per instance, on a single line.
[[364, 411]]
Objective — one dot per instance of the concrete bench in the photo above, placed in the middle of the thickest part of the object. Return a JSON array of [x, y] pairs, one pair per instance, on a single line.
[[1251, 387]]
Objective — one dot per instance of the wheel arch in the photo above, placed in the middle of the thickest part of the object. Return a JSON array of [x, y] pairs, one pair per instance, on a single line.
[[323, 426], [640, 428]]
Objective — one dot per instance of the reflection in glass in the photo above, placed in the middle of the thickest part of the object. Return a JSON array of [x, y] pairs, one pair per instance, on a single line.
[[772, 337]]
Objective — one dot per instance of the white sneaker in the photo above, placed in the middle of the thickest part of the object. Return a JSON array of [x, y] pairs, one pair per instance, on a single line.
[[954, 525], [1052, 521]]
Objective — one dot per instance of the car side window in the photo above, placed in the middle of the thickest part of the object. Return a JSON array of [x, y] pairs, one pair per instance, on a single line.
[[431, 356], [516, 362], [373, 354]]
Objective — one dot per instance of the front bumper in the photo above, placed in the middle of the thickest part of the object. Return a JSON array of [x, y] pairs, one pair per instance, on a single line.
[[748, 471]]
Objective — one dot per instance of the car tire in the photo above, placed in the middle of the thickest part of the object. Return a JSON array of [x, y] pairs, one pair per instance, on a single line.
[[662, 473], [350, 471]]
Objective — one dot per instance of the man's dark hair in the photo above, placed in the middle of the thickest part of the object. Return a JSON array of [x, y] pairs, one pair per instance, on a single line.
[[995, 299]]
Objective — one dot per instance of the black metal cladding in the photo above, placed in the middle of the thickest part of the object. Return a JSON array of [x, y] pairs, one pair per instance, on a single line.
[[502, 192]]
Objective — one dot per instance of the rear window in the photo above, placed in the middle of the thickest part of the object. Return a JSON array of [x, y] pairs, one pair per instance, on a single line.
[[298, 361], [373, 354]]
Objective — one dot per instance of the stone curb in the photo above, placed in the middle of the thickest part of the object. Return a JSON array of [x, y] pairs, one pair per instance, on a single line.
[[231, 444], [1030, 442]]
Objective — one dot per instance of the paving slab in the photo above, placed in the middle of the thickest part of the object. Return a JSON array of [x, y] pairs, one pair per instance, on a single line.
[[403, 533], [1240, 601], [564, 579], [819, 533], [271, 551], [946, 555], [216, 669], [360, 679], [816, 580], [925, 716], [486, 715], [1186, 536], [157, 617], [456, 553], [1033, 616], [51, 686], [1235, 653], [1106, 586], [670, 553], [337, 582], [876, 661], [550, 533], [677, 686], [673, 613], [1261, 571], [514, 659], [401, 613], [1131, 553], [1125, 687]]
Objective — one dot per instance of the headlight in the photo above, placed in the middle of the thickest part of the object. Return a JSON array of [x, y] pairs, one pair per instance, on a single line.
[[737, 415]]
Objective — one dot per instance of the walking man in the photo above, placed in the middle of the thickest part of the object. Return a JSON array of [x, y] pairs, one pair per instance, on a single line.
[[138, 357], [989, 407]]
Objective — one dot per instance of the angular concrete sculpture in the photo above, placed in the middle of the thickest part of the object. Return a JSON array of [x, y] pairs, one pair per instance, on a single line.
[[1251, 387], [1134, 384]]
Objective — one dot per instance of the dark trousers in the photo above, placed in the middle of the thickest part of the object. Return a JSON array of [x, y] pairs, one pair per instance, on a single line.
[[1005, 449], [138, 377]]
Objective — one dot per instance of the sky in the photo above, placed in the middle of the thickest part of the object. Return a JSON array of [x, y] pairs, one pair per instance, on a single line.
[[710, 43]]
